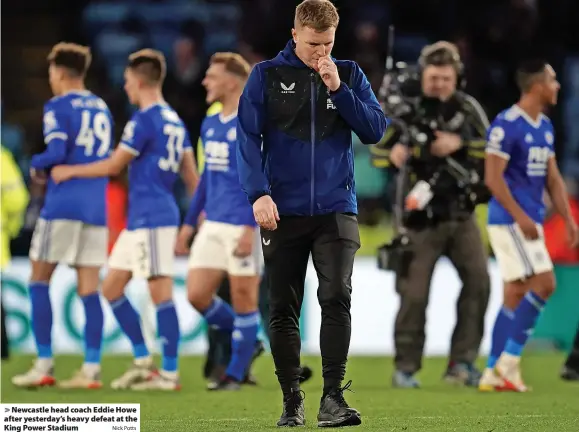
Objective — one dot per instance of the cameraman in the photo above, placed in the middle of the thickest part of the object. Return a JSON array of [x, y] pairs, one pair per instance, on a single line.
[[430, 126]]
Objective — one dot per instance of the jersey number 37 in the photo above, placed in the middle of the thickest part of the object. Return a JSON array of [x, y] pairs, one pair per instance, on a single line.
[[95, 128]]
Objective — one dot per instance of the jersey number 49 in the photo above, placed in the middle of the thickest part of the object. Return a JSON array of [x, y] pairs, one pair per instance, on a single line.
[[95, 129]]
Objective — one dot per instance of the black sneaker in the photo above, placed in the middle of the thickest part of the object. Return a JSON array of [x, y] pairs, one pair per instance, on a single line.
[[293, 410], [462, 374], [226, 383], [305, 374], [569, 374], [335, 411], [215, 377]]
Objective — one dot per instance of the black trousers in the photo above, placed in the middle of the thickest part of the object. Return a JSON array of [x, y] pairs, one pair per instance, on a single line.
[[461, 242], [4, 350], [333, 241], [573, 358]]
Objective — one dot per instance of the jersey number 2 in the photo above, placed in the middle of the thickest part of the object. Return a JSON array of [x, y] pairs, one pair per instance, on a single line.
[[175, 139], [92, 129]]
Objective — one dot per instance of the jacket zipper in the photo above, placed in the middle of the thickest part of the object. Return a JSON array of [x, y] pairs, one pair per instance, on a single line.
[[313, 139]]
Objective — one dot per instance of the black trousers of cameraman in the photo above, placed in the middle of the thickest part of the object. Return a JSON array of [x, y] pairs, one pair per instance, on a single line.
[[572, 361], [461, 242], [333, 241], [4, 349]]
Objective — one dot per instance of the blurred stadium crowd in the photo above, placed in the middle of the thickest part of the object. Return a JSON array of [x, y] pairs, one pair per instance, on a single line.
[[493, 37]]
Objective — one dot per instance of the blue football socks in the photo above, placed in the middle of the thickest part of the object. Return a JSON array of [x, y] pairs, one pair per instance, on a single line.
[[168, 329], [41, 317], [219, 315], [93, 329], [501, 331], [130, 323], [243, 340], [524, 323]]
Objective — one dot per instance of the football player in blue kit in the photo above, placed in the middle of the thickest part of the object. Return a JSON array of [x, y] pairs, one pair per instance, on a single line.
[[156, 146], [78, 129], [520, 165], [227, 242]]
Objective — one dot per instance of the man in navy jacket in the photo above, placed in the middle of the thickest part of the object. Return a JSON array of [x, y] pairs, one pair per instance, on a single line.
[[295, 160]]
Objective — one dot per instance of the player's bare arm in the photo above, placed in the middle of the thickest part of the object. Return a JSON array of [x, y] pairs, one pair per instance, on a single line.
[[558, 193], [189, 173], [245, 243], [108, 167], [184, 239], [495, 166]]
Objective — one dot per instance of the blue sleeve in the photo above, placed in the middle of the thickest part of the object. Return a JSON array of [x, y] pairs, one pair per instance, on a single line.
[[250, 122], [135, 135], [55, 138], [500, 140], [360, 108], [197, 202], [248, 219]]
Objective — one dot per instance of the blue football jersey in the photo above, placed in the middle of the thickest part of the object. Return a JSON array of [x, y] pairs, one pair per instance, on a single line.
[[527, 145], [78, 129], [219, 193], [158, 138]]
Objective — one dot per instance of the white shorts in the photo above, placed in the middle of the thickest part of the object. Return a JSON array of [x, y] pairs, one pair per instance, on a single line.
[[517, 257], [214, 247], [146, 252], [69, 242]]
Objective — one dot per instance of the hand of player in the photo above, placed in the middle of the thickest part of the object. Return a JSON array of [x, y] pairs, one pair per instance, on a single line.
[[445, 143], [245, 243], [200, 219], [329, 73], [61, 173], [528, 227], [399, 154], [183, 240], [38, 176], [572, 234], [265, 213]]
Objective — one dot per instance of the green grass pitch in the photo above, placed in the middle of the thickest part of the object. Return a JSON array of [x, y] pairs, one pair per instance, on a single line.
[[552, 406]]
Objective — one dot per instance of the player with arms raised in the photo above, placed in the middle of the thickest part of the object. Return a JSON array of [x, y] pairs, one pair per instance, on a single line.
[[72, 225], [520, 164], [156, 147], [226, 241]]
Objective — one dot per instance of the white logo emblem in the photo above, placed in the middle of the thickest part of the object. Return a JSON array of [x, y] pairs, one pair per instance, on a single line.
[[129, 131], [50, 122], [528, 138], [496, 136], [170, 116], [265, 242], [330, 104], [210, 133], [232, 134], [549, 138], [288, 89]]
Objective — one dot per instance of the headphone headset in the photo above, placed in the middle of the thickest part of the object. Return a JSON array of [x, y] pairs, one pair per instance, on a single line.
[[443, 53]]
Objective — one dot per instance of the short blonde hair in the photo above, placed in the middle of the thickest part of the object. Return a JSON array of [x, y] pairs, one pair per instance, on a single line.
[[75, 58], [150, 64], [233, 63], [319, 15]]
